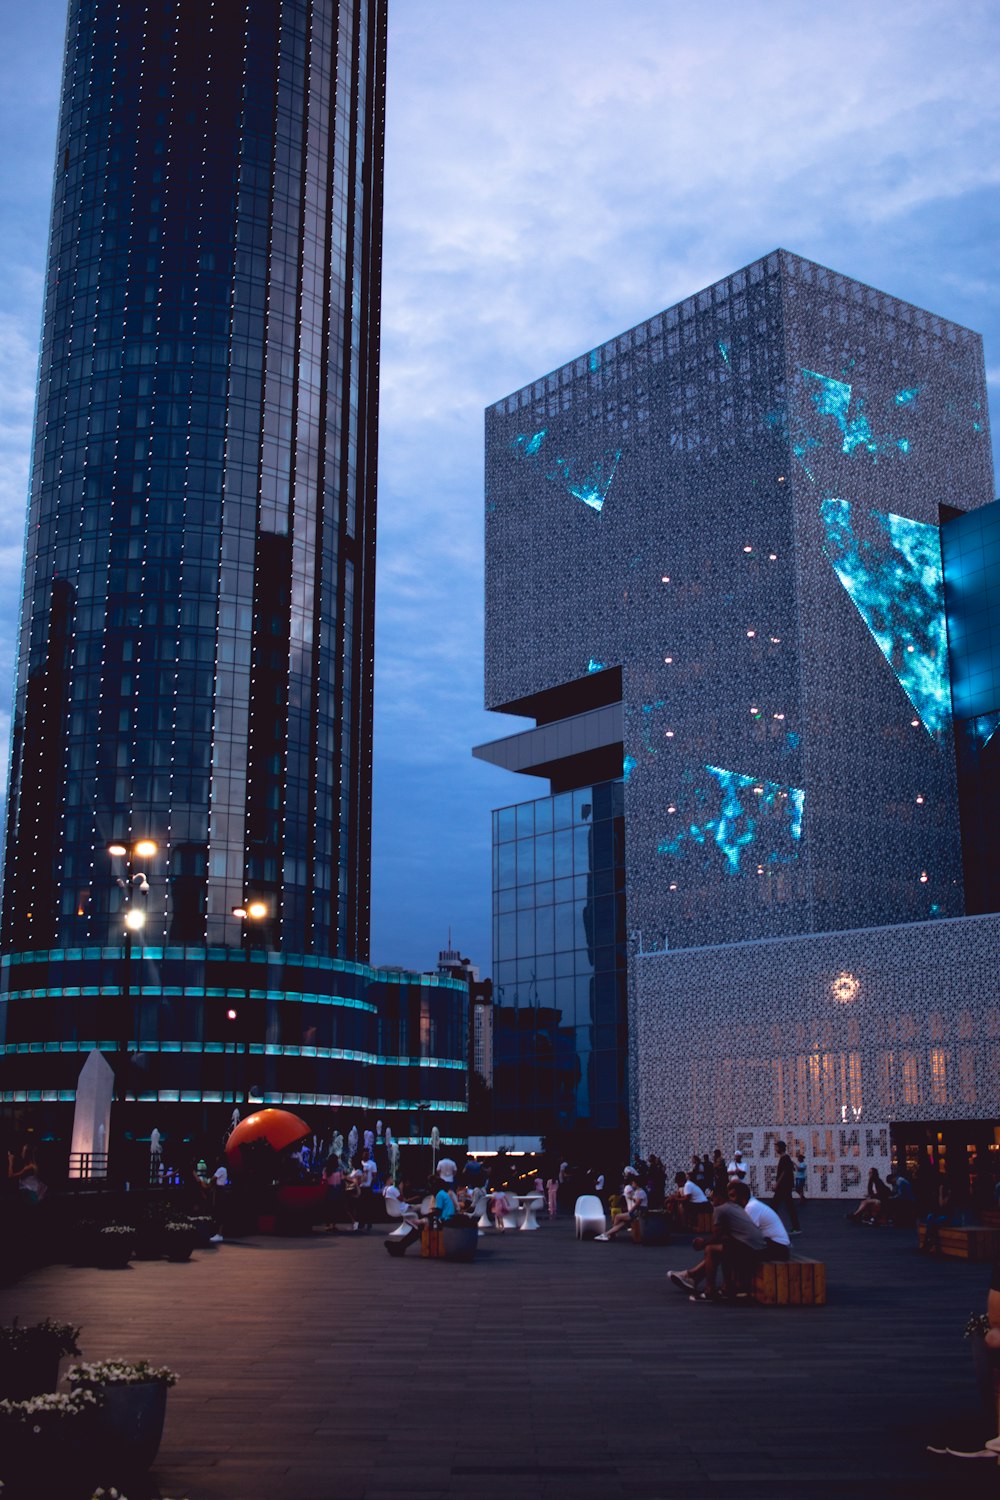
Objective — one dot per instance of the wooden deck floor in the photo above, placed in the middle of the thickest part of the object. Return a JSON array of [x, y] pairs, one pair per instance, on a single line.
[[322, 1369]]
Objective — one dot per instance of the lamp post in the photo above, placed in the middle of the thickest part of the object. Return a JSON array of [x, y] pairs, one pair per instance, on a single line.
[[133, 883], [251, 912]]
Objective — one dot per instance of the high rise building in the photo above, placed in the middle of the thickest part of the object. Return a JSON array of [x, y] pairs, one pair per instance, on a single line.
[[714, 572], [196, 644]]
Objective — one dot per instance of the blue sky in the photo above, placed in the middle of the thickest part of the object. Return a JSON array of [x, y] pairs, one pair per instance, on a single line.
[[556, 171]]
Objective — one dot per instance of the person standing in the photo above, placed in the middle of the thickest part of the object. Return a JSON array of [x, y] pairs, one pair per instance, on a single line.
[[784, 1184], [801, 1174], [736, 1170]]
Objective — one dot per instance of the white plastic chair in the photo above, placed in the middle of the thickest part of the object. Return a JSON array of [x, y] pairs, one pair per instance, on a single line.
[[405, 1212], [589, 1215], [510, 1218]]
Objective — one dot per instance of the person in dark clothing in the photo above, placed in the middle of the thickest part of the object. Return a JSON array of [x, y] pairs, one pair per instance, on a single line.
[[656, 1184], [720, 1174], [736, 1246], [784, 1187]]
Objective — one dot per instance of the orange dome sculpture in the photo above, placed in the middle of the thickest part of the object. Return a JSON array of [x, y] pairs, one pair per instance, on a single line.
[[278, 1127]]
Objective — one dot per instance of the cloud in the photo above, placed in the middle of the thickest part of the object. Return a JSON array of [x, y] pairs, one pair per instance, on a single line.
[[556, 173]]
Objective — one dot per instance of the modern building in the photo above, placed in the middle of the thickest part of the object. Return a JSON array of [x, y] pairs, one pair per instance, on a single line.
[[714, 578], [452, 963], [194, 680]]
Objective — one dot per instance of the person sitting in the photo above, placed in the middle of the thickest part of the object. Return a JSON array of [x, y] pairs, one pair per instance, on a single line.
[[687, 1199], [636, 1204], [778, 1246], [736, 1247], [872, 1206], [444, 1210], [902, 1206]]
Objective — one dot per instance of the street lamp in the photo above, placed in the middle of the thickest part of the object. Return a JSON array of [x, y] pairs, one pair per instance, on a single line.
[[249, 912], [133, 883]]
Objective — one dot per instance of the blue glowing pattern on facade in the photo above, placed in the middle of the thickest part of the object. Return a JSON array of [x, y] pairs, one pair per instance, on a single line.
[[836, 399], [897, 586], [595, 666], [592, 489], [983, 728], [741, 814], [724, 351], [629, 764]]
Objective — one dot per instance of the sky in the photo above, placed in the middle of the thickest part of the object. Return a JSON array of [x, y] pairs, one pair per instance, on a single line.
[[557, 171]]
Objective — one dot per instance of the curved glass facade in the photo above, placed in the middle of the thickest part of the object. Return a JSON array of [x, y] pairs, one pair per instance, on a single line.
[[196, 642]]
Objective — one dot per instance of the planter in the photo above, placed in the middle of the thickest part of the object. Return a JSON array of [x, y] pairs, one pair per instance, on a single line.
[[24, 1375], [203, 1229], [128, 1426], [179, 1246], [112, 1252]]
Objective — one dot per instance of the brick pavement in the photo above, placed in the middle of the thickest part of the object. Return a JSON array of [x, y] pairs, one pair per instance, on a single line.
[[321, 1369]]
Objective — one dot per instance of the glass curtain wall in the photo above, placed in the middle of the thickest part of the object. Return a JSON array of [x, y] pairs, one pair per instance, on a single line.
[[559, 963]]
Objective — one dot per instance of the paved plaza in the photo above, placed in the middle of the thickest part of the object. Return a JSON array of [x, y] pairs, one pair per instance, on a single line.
[[322, 1369]]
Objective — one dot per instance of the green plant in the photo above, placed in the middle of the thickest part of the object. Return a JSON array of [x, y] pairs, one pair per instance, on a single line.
[[23, 1340], [118, 1372]]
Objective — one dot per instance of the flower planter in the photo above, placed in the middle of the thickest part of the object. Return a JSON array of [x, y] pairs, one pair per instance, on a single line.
[[112, 1252], [128, 1426], [179, 1246], [203, 1229], [47, 1445], [127, 1423]]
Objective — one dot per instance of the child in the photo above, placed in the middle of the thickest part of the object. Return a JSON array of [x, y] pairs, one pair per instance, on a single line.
[[498, 1207]]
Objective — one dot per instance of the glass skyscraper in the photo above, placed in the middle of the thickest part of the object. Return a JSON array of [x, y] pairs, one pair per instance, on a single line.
[[196, 645]]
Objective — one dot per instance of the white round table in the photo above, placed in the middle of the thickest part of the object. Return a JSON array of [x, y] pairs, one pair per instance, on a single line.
[[531, 1203]]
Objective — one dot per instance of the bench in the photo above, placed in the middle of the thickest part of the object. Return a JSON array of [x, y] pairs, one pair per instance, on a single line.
[[976, 1242], [991, 1217], [790, 1283]]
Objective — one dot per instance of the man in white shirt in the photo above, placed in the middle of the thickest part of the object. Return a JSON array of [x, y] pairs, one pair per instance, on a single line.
[[779, 1246], [736, 1171], [687, 1198]]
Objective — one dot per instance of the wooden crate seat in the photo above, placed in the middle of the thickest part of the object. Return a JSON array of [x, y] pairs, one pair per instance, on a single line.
[[790, 1283], [965, 1242]]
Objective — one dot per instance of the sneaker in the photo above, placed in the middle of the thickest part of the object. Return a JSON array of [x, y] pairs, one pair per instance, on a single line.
[[216, 1239], [682, 1282], [702, 1297], [602, 1236], [795, 1231]]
